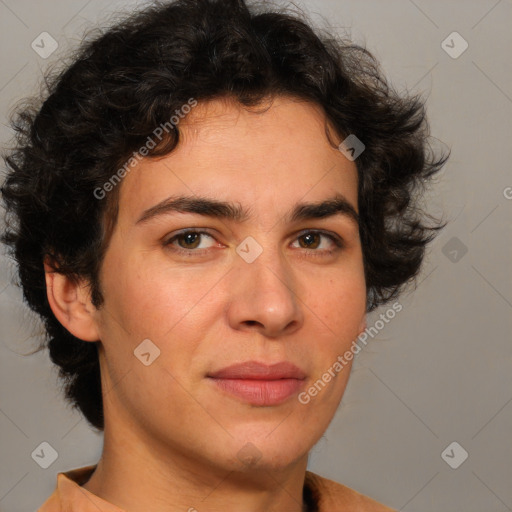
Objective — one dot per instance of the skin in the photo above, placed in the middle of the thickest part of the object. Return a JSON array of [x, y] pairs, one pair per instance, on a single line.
[[172, 437]]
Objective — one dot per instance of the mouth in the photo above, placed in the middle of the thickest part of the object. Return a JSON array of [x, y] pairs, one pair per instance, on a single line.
[[258, 383]]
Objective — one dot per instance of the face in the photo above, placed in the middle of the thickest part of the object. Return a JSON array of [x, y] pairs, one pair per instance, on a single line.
[[269, 276]]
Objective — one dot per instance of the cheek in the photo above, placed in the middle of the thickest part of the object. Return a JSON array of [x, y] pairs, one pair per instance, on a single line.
[[138, 304], [337, 320], [338, 302], [147, 296]]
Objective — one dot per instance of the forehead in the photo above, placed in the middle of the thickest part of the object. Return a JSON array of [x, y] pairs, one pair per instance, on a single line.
[[271, 155]]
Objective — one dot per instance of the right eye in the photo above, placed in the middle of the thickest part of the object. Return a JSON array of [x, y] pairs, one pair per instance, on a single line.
[[191, 241]]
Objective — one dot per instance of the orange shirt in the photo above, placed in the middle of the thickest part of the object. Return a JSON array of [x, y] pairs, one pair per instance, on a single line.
[[69, 496]]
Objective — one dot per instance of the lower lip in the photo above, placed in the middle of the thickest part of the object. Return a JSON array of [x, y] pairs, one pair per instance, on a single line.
[[260, 392]]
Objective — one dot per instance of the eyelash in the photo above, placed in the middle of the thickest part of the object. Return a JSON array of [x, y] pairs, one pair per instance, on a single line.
[[338, 242]]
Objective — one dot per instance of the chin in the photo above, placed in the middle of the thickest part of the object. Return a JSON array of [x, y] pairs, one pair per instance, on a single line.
[[261, 451]]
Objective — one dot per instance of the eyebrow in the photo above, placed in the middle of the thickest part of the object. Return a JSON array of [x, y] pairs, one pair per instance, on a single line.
[[335, 205]]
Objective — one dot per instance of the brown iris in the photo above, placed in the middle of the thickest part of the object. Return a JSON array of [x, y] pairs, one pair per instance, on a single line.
[[189, 240], [309, 241]]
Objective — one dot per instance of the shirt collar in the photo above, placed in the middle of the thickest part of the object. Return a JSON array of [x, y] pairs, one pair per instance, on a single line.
[[69, 496]]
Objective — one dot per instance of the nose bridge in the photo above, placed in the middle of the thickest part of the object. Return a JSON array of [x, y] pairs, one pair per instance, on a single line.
[[274, 275], [265, 292]]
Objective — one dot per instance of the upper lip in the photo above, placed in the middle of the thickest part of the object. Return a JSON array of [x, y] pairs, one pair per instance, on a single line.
[[260, 371]]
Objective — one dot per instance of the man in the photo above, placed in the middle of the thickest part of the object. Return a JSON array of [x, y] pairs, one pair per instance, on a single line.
[[203, 211]]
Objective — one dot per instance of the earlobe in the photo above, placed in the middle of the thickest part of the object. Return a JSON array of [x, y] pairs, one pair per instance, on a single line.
[[71, 304]]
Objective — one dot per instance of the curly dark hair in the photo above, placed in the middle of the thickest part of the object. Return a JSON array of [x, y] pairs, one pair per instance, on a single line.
[[124, 82]]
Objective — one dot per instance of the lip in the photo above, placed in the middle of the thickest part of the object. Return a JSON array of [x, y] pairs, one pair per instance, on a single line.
[[258, 383], [260, 371]]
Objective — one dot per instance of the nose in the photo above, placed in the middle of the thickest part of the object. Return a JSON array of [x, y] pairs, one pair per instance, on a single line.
[[264, 297]]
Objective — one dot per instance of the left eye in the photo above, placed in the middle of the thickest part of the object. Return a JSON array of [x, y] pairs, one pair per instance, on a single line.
[[313, 240]]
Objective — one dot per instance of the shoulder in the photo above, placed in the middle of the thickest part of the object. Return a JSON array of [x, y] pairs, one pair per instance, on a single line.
[[335, 497]]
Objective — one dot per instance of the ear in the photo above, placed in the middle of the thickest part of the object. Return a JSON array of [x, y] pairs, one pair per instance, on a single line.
[[71, 304]]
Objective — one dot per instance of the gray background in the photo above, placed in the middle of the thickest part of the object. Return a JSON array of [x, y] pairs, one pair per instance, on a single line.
[[439, 371]]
